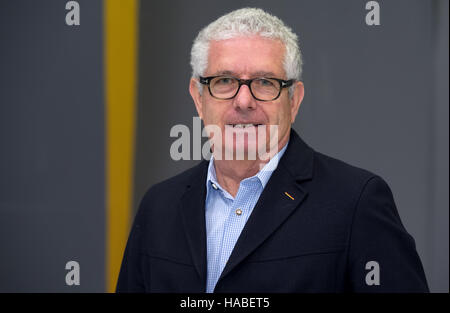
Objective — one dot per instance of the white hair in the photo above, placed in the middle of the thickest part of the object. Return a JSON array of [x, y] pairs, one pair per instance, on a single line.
[[247, 22]]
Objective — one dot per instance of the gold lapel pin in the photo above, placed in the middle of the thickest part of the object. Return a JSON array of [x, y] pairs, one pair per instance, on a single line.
[[289, 195]]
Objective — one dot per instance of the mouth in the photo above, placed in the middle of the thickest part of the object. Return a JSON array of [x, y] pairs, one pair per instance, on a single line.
[[242, 125]]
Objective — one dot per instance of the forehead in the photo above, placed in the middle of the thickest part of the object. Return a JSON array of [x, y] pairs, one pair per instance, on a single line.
[[246, 56]]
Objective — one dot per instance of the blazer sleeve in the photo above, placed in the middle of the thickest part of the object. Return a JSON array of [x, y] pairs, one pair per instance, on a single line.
[[382, 255], [131, 279]]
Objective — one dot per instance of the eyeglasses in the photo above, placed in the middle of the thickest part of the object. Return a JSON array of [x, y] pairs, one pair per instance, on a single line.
[[262, 89]]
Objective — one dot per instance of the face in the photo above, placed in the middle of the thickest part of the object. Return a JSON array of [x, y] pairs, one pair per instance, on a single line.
[[246, 58]]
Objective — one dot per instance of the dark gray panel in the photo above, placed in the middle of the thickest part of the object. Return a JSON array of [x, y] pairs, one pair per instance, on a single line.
[[439, 219], [52, 150]]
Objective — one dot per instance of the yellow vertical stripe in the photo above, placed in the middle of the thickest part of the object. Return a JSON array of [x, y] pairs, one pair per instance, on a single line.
[[120, 52]]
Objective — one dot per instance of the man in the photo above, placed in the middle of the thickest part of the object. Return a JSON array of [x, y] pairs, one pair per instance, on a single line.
[[293, 220]]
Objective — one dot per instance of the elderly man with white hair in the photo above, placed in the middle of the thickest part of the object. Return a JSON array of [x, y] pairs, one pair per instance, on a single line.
[[289, 220]]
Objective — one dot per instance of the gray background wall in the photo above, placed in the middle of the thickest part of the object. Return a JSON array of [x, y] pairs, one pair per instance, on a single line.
[[52, 147], [368, 89], [375, 98]]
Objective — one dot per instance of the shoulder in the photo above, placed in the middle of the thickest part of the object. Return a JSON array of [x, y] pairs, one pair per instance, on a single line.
[[325, 173], [339, 170], [344, 182], [172, 189]]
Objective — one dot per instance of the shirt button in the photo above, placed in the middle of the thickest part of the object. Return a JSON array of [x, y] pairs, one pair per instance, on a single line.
[[238, 211], [214, 186]]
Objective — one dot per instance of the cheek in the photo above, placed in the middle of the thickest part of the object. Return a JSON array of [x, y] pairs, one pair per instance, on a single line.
[[280, 114], [287, 114], [213, 114], [284, 120]]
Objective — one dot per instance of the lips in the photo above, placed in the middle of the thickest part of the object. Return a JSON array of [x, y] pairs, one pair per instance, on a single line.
[[243, 125]]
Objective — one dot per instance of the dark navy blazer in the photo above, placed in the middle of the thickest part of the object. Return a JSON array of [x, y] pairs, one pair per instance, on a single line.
[[338, 220]]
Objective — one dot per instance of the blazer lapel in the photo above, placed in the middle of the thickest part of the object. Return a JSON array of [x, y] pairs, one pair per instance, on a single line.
[[192, 208], [280, 198]]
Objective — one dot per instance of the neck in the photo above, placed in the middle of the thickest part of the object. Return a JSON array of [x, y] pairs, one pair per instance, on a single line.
[[230, 173]]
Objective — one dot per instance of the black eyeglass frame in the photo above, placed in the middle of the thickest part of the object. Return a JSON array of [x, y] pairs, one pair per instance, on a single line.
[[283, 84]]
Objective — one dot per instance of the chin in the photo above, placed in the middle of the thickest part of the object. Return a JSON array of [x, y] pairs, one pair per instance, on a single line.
[[243, 149]]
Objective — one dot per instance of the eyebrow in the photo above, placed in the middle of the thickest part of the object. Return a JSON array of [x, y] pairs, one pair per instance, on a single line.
[[255, 74]]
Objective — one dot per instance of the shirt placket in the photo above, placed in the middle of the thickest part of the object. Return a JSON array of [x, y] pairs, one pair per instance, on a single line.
[[237, 217]]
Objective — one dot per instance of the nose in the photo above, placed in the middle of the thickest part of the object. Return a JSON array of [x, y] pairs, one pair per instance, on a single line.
[[244, 99]]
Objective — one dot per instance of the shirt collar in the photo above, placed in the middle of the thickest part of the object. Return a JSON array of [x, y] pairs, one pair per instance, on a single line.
[[263, 175]]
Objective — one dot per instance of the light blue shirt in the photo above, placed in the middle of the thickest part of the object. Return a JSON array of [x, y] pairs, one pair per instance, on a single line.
[[226, 216]]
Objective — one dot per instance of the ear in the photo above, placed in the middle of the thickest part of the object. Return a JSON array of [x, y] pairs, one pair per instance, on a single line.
[[297, 99], [196, 96]]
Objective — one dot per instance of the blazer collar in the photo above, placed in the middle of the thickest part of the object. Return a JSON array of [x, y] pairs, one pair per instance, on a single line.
[[298, 159], [280, 198]]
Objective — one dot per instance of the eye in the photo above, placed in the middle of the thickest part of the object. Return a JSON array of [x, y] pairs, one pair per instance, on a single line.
[[224, 81], [265, 82]]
